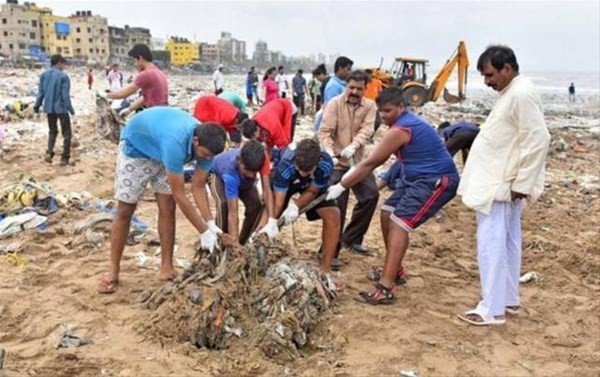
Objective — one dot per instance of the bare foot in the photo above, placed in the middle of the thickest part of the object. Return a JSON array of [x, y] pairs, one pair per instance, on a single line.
[[167, 274]]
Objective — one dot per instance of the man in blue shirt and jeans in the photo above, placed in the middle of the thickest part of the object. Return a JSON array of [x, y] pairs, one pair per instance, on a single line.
[[155, 145], [54, 92]]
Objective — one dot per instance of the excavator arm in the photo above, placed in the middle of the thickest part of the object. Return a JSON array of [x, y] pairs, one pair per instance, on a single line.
[[438, 85]]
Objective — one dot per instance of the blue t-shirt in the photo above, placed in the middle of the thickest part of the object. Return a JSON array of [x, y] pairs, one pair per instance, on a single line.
[[226, 167], [425, 154], [298, 83], [285, 176], [335, 87], [393, 175], [459, 127], [162, 134]]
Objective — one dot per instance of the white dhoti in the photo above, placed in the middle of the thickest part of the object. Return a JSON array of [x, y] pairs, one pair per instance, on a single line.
[[499, 257]]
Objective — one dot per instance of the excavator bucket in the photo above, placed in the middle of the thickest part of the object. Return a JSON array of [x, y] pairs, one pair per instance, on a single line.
[[451, 98]]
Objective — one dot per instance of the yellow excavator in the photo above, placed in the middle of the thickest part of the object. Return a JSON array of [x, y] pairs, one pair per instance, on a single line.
[[410, 74]]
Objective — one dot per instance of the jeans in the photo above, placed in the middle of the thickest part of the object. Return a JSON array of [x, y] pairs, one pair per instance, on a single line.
[[65, 130]]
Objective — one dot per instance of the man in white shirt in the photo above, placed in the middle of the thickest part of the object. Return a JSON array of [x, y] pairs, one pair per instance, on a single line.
[[281, 82], [218, 80], [505, 168], [115, 78]]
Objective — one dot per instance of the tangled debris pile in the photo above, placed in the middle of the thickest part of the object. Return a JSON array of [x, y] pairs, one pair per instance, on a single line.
[[108, 123], [225, 295]]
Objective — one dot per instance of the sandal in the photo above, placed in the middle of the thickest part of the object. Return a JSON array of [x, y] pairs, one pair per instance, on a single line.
[[107, 285], [380, 296], [473, 317], [512, 310], [376, 273]]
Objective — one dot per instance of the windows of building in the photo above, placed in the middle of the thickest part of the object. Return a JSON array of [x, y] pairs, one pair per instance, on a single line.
[[78, 30], [89, 30], [33, 23], [91, 50], [90, 40], [77, 40], [6, 33], [10, 46], [22, 46], [31, 35], [4, 21]]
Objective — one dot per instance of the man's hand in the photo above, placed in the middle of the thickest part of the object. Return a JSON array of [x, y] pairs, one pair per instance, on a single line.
[[208, 240], [212, 226], [291, 213], [271, 229], [101, 95], [348, 152], [123, 113], [517, 195], [334, 192]]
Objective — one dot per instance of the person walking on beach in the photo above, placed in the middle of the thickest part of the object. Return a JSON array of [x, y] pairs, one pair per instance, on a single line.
[[505, 168], [218, 80], [282, 82], [90, 79], [271, 88], [154, 147], [115, 78], [572, 93], [55, 93], [151, 81], [251, 79], [299, 91]]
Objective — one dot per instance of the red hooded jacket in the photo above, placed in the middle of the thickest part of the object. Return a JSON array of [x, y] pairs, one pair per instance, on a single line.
[[276, 118], [218, 110]]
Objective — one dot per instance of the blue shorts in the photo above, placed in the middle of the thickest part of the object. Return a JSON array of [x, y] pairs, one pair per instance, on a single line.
[[414, 202]]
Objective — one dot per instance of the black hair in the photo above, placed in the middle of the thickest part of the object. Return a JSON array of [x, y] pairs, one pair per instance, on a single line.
[[268, 72], [391, 95], [308, 154], [55, 59], [498, 56], [358, 75], [280, 68], [342, 62], [321, 69], [248, 128], [140, 50], [240, 117], [300, 71], [369, 71], [252, 155], [211, 136], [443, 125]]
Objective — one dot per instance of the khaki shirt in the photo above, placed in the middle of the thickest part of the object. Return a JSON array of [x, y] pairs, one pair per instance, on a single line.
[[344, 124]]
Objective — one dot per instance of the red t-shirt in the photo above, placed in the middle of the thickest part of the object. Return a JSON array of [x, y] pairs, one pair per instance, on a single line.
[[218, 110], [154, 86], [276, 118]]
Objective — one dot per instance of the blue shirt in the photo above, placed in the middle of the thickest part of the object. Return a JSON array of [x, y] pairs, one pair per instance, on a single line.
[[425, 154], [460, 127], [226, 167], [392, 176], [284, 174], [162, 134], [298, 83], [55, 91], [335, 87]]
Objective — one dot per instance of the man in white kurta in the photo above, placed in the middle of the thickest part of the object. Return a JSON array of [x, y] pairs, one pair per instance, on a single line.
[[505, 168]]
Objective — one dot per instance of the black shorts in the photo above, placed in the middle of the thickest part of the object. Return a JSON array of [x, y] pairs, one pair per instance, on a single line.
[[311, 215]]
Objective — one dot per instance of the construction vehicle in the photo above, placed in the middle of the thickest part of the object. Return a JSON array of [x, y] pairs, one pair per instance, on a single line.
[[410, 74]]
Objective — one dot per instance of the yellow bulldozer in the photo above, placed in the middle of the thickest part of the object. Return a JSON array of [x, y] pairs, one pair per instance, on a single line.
[[410, 74]]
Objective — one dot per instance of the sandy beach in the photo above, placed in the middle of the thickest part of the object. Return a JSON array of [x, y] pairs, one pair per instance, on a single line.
[[48, 278]]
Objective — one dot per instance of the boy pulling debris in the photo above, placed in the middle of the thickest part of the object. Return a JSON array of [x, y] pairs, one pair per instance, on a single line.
[[307, 170], [220, 111], [155, 146], [430, 180], [272, 124], [234, 178]]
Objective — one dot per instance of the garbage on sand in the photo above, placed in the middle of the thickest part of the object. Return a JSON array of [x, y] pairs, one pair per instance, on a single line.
[[225, 296], [108, 122], [69, 340], [531, 276], [15, 224]]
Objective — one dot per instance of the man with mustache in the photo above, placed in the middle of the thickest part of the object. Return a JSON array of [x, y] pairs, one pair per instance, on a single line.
[[505, 168], [348, 124]]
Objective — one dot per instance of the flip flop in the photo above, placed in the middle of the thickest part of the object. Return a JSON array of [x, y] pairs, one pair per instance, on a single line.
[[107, 285], [484, 321]]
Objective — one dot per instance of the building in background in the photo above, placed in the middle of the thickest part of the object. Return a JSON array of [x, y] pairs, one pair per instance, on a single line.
[[20, 29], [157, 44], [182, 51], [210, 52], [137, 35], [262, 56], [90, 37], [117, 40], [56, 35], [231, 50]]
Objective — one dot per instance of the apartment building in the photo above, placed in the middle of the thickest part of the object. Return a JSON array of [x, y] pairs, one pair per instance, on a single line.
[[182, 51], [56, 35], [90, 37], [20, 28]]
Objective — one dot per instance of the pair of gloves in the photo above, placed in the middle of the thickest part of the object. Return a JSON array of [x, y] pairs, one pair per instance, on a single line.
[[123, 113], [346, 153], [210, 237], [290, 215]]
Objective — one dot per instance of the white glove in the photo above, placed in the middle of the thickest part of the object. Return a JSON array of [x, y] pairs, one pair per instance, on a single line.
[[334, 192], [124, 112], [208, 240], [212, 226], [271, 229], [292, 146], [330, 153], [348, 151], [291, 213]]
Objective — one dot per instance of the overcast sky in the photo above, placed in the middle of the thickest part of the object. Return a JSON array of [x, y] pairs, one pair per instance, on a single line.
[[546, 35]]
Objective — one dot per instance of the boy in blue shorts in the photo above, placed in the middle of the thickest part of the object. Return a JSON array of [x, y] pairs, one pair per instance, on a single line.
[[235, 179], [429, 181], [306, 170]]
